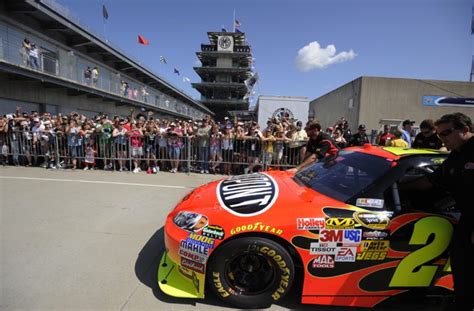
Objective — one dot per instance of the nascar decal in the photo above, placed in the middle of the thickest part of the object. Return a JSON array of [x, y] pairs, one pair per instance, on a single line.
[[247, 195], [375, 203], [310, 223], [190, 221], [258, 226], [213, 231]]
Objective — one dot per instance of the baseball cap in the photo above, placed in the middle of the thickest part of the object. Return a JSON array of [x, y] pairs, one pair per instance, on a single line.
[[408, 122], [362, 127]]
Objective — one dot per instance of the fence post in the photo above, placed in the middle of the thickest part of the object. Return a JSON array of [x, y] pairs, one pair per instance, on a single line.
[[188, 143], [57, 150]]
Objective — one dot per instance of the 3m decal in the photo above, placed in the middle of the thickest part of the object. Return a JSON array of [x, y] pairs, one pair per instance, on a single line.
[[258, 226], [193, 265], [213, 231], [377, 221], [340, 223], [346, 254], [331, 235], [247, 195], [190, 221], [322, 248], [413, 270], [375, 203], [310, 223], [323, 261]]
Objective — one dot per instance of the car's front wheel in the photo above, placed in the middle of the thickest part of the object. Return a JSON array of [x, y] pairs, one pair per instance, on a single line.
[[250, 272]]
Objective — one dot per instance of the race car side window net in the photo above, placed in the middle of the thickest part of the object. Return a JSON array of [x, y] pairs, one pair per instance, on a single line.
[[396, 198]]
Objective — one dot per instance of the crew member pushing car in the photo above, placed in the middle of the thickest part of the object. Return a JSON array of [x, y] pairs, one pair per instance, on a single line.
[[320, 146]]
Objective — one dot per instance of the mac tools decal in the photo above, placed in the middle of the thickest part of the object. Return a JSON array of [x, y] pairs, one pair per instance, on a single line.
[[247, 195]]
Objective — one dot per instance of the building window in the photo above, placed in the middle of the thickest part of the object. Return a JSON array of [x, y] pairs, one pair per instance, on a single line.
[[351, 103], [49, 61]]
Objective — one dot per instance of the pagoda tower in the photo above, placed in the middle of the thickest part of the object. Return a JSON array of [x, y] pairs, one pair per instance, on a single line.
[[225, 65]]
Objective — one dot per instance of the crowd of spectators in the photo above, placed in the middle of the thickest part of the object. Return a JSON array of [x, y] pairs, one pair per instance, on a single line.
[[141, 142]]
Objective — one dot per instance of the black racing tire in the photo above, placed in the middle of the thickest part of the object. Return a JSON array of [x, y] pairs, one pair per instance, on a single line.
[[250, 272]]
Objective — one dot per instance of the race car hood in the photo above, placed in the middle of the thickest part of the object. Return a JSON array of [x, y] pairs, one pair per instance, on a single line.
[[260, 196]]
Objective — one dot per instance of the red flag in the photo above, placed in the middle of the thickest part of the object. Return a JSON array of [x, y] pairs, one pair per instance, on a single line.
[[142, 40]]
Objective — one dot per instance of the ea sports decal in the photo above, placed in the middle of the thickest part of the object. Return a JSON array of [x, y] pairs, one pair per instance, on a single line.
[[247, 195]]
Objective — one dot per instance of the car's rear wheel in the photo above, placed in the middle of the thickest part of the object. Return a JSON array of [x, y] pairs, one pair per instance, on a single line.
[[250, 272]]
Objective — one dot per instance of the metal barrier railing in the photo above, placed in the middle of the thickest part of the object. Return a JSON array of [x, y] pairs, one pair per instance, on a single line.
[[134, 151]]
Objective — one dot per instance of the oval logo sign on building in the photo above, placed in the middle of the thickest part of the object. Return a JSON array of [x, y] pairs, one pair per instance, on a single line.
[[247, 195]]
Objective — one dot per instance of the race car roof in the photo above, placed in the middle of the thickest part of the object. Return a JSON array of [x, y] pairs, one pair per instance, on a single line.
[[393, 153]]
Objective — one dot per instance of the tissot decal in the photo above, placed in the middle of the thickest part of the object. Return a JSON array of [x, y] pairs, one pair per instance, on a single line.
[[247, 195]]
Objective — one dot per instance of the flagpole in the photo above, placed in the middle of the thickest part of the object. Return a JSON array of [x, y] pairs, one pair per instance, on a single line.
[[233, 22]]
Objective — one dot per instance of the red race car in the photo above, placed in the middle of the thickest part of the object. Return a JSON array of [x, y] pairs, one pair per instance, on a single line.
[[350, 230]]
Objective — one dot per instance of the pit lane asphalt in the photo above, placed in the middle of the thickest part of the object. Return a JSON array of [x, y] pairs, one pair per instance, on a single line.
[[92, 241]]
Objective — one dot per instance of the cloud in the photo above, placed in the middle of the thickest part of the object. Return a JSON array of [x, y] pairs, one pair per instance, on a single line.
[[312, 56]]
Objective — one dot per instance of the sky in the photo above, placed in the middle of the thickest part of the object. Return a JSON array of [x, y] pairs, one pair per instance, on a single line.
[[301, 47]]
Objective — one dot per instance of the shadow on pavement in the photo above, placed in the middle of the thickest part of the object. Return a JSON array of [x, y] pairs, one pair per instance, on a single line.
[[146, 270]]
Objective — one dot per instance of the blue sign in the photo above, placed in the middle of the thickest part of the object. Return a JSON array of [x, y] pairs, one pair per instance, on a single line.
[[448, 101]]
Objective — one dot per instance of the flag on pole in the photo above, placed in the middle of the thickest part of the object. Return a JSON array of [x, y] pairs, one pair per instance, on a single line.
[[176, 71], [237, 24], [186, 79], [105, 13], [238, 31], [163, 60], [142, 40]]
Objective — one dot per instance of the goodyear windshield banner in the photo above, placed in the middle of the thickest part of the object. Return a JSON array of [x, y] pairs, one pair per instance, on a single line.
[[448, 101]]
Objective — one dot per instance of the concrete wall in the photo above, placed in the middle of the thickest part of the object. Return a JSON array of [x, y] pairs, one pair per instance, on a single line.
[[377, 98], [267, 105], [342, 102], [393, 98]]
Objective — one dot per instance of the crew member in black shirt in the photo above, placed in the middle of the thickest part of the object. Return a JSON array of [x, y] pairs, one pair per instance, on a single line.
[[456, 175], [360, 138], [320, 146], [427, 137]]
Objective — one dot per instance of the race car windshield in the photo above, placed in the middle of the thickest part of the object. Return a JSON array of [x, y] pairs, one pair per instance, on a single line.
[[345, 176]]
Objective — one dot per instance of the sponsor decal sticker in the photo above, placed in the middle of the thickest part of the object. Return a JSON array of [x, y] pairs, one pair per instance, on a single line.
[[192, 255], [375, 203], [213, 231], [247, 195], [374, 235], [346, 254], [200, 240], [322, 248], [190, 221], [340, 223], [352, 237], [323, 261], [310, 223], [372, 255], [194, 247], [381, 245], [258, 226], [349, 237], [193, 265], [377, 221]]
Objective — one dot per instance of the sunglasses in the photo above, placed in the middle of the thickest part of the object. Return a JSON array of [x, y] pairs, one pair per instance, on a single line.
[[447, 132]]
